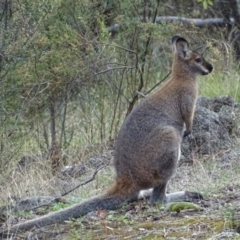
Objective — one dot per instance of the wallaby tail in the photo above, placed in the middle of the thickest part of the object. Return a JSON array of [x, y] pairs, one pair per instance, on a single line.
[[102, 202]]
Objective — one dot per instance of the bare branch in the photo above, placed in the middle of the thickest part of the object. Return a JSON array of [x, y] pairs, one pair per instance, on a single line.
[[111, 69], [44, 201], [158, 83], [86, 182], [141, 94], [144, 95]]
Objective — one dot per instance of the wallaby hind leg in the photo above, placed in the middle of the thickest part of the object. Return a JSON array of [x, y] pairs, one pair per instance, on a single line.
[[166, 155], [162, 149], [168, 163]]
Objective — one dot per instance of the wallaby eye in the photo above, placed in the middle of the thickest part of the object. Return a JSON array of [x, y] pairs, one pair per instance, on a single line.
[[198, 60]]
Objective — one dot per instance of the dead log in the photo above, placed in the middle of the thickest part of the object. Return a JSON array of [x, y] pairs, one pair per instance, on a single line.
[[198, 22]]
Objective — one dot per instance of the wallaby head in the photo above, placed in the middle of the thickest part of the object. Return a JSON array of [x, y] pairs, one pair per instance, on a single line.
[[187, 61]]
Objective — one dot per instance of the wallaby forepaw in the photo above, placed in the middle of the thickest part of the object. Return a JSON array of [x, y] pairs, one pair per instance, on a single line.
[[187, 133], [194, 195], [189, 137]]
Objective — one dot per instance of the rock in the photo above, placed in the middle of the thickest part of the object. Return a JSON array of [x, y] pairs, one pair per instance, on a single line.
[[35, 202], [73, 171], [28, 204], [215, 122]]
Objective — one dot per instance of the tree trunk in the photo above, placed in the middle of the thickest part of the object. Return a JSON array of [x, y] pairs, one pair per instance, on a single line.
[[235, 8], [55, 153]]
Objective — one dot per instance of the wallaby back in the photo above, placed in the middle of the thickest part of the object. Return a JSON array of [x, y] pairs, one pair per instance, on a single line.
[[148, 146]]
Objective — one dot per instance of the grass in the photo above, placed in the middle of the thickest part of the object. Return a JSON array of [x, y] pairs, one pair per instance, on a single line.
[[220, 84]]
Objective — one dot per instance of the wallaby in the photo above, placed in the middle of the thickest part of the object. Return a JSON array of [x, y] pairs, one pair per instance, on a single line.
[[147, 149]]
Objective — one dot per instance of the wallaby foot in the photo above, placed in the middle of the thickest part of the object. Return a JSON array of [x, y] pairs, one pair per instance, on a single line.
[[182, 196]]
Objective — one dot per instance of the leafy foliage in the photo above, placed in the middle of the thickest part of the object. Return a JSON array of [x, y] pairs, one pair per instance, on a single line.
[[206, 3]]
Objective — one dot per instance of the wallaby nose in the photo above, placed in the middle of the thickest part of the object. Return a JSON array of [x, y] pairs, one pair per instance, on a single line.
[[210, 67]]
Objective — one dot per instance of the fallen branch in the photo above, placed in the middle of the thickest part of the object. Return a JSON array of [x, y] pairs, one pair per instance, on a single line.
[[198, 22]]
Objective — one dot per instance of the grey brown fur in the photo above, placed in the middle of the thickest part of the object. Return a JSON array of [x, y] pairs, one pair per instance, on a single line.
[[148, 146]]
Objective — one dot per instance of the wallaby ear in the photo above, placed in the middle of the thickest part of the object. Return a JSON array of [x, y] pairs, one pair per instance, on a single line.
[[181, 46]]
